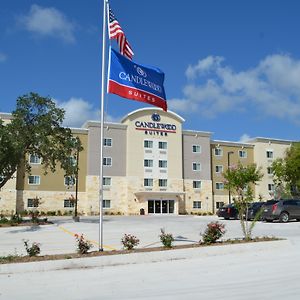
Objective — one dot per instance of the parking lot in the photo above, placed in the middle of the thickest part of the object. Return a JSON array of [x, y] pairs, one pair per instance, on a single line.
[[59, 237], [266, 270]]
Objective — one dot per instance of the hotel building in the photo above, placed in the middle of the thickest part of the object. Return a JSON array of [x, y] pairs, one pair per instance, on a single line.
[[151, 165]]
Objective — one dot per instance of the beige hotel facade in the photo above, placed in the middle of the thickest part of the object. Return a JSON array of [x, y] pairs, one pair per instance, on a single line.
[[151, 165]]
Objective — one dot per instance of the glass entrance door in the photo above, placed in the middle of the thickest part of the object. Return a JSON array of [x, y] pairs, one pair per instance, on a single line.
[[161, 206]]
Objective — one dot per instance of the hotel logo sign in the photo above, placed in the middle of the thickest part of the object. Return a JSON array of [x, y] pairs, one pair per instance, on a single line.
[[155, 127]]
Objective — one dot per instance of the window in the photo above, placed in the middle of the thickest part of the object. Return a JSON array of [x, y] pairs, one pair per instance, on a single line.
[[162, 163], [196, 149], [148, 144], [34, 179], [148, 182], [69, 203], [197, 204], [70, 180], [106, 204], [106, 181], [33, 202], [271, 187], [197, 184], [196, 166], [219, 169], [162, 182], [219, 204], [162, 145], [269, 154], [242, 153], [269, 171], [34, 159], [148, 163], [72, 161], [219, 186], [107, 142], [218, 152], [107, 161]]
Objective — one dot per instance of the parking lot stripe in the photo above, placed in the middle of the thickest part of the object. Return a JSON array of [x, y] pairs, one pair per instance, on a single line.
[[91, 241]]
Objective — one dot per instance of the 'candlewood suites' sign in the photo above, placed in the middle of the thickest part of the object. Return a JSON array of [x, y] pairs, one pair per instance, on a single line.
[[155, 127]]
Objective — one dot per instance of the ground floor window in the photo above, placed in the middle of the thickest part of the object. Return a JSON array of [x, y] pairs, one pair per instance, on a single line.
[[69, 203], [219, 204], [197, 204], [106, 203], [32, 203]]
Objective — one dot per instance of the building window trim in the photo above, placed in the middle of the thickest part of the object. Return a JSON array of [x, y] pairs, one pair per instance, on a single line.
[[148, 163], [67, 179], [106, 160], [163, 164], [105, 180], [219, 167], [35, 182], [106, 204], [148, 144], [243, 154], [219, 186], [163, 182], [36, 159], [195, 148], [148, 182], [69, 203], [107, 142], [197, 204], [162, 145], [196, 169], [217, 149]]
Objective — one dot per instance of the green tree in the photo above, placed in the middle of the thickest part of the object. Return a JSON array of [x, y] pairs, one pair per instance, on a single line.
[[239, 180], [286, 173], [36, 128]]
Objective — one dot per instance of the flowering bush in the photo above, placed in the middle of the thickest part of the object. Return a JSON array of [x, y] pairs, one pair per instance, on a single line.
[[166, 238], [83, 246], [213, 232], [129, 241], [32, 250]]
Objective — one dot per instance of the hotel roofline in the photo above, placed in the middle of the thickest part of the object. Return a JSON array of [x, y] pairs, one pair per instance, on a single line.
[[230, 143]]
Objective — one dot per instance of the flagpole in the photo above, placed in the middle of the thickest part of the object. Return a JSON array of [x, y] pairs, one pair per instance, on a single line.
[[102, 129]]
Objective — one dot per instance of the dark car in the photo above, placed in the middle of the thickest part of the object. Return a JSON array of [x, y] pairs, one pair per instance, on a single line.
[[228, 212], [282, 210], [254, 209]]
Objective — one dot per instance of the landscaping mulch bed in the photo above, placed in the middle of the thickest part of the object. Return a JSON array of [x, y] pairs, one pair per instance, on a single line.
[[26, 223], [23, 259]]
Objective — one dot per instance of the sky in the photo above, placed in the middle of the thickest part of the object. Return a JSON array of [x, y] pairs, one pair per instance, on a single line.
[[231, 67]]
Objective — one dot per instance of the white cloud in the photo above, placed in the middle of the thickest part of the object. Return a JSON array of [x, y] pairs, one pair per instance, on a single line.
[[272, 87], [3, 57], [48, 21], [245, 138], [78, 111]]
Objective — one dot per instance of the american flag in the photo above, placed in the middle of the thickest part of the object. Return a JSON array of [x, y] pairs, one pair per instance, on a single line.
[[115, 32]]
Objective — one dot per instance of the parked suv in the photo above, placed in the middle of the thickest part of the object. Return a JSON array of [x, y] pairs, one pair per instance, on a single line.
[[228, 212], [282, 210]]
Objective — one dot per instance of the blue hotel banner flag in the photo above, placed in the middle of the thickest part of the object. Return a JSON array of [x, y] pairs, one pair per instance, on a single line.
[[136, 82]]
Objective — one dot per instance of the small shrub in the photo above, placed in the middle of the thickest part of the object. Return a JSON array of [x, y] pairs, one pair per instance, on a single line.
[[59, 213], [129, 241], [213, 232], [166, 238], [3, 220], [83, 246], [32, 250], [204, 214], [16, 219]]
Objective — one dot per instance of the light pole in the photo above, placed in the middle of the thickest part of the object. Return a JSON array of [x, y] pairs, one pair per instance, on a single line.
[[228, 165]]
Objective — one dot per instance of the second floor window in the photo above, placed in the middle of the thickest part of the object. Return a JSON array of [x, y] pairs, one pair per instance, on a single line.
[[106, 181], [162, 163], [34, 179], [34, 159], [219, 169], [196, 166], [162, 182], [70, 180], [219, 186], [148, 163], [197, 184], [107, 161], [148, 182], [243, 154]]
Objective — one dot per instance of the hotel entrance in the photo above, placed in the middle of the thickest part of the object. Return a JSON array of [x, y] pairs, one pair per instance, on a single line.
[[160, 206]]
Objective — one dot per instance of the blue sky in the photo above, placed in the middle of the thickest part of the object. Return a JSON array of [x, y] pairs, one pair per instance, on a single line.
[[232, 67]]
